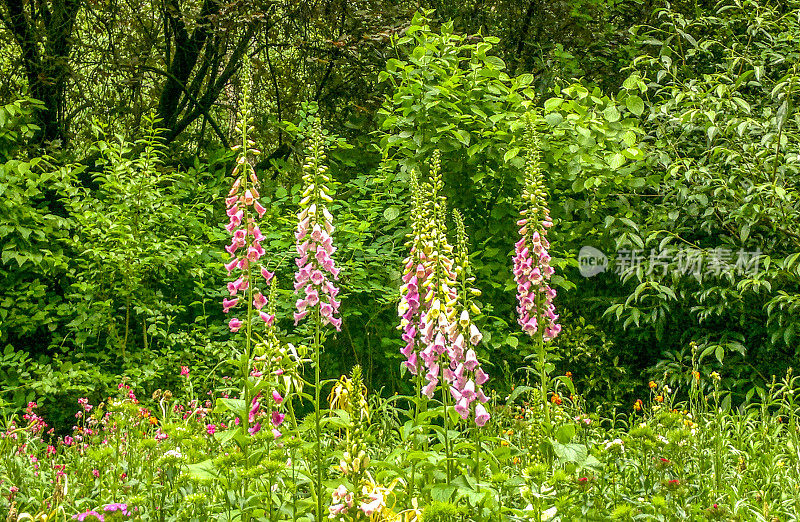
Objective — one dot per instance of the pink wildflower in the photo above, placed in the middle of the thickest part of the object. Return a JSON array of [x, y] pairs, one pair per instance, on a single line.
[[234, 324], [243, 209], [315, 267], [532, 270]]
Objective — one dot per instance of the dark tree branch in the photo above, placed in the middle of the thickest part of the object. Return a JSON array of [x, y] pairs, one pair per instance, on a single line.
[[202, 109], [523, 32], [187, 51], [212, 93]]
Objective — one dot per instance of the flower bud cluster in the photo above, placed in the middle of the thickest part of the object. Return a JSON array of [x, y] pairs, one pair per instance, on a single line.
[[532, 270], [245, 248], [350, 394], [314, 245], [371, 503]]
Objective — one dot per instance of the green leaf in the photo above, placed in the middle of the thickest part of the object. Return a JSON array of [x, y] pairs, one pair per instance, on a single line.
[[519, 390], [565, 433], [617, 161], [391, 213], [511, 153], [611, 113], [554, 118], [203, 470], [634, 104], [442, 492], [552, 104], [631, 82], [570, 452]]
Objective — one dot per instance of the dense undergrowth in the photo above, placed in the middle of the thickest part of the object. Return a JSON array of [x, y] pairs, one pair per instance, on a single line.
[[200, 314], [174, 456]]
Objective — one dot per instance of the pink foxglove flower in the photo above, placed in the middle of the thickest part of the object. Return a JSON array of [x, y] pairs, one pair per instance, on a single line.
[[243, 211], [532, 270], [481, 415], [315, 266], [434, 319], [234, 324]]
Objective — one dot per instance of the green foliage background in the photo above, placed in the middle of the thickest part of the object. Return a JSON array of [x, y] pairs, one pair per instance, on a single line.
[[663, 126]]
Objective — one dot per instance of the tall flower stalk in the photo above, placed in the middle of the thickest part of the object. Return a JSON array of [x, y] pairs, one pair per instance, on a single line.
[[532, 270], [434, 318], [469, 376], [315, 268], [249, 276], [410, 308]]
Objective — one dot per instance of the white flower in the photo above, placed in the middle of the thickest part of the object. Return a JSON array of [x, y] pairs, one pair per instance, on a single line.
[[615, 444], [176, 453]]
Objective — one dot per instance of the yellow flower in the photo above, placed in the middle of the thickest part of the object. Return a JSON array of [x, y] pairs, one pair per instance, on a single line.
[[637, 406]]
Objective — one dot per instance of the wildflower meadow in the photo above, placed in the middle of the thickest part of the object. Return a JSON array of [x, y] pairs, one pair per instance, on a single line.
[[415, 263]]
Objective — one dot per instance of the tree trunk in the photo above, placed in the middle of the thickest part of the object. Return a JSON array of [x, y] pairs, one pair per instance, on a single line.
[[45, 56]]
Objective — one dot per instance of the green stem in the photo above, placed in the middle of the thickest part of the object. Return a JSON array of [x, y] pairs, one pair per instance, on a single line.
[[269, 485], [447, 449], [290, 407], [477, 458], [318, 448], [417, 408], [543, 377]]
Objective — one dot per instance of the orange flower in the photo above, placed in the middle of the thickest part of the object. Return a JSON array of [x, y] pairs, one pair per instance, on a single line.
[[637, 406], [569, 374], [660, 398], [555, 399], [504, 443], [696, 375], [516, 460], [652, 385], [153, 421]]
